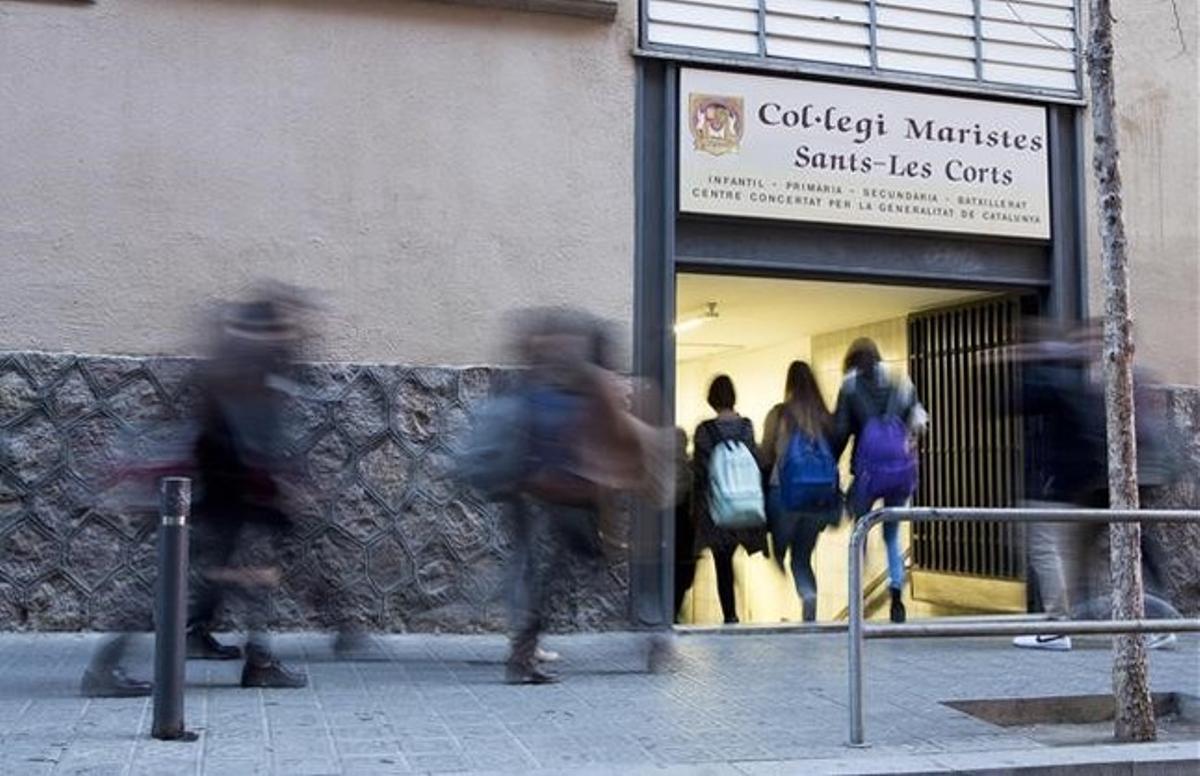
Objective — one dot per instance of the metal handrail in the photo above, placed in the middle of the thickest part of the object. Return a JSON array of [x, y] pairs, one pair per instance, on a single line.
[[858, 632]]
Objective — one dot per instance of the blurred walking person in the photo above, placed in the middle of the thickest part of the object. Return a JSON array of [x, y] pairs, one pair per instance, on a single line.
[[1064, 407], [572, 446], [803, 489], [1064, 412], [685, 522], [238, 453], [884, 416], [727, 490]]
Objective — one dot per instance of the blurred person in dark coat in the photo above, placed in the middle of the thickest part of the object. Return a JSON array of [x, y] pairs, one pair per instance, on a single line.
[[581, 446], [1064, 407], [238, 454], [234, 457], [685, 522]]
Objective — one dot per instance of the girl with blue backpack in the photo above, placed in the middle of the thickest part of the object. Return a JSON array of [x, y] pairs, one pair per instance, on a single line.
[[803, 492], [727, 490], [884, 417]]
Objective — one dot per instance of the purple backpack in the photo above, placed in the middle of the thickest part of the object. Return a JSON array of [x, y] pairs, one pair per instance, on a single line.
[[886, 463]]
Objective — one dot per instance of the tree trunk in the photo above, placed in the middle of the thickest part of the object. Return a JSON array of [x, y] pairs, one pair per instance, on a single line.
[[1131, 685]]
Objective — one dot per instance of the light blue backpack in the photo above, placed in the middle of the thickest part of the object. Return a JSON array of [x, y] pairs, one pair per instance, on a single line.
[[735, 498]]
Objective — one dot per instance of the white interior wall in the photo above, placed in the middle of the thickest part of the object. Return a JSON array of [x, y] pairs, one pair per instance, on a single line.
[[757, 375]]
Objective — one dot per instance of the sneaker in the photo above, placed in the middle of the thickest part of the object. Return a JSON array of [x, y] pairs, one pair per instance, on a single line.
[[112, 684], [202, 646], [1161, 641], [546, 655], [272, 674], [1053, 643]]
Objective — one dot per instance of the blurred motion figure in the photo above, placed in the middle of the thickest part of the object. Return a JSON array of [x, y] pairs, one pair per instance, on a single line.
[[556, 449], [238, 453]]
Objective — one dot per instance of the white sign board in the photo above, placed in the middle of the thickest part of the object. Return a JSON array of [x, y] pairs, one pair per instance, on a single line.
[[804, 151]]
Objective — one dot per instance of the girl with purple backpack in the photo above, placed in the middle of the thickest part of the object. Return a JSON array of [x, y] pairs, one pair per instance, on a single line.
[[883, 415]]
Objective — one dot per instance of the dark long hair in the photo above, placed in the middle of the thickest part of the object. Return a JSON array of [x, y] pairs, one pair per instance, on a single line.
[[806, 406]]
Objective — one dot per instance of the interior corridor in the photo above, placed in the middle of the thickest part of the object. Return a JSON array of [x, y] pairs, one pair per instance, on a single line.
[[751, 328]]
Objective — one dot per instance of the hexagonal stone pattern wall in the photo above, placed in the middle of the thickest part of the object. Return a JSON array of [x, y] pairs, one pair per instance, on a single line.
[[1182, 542], [384, 537]]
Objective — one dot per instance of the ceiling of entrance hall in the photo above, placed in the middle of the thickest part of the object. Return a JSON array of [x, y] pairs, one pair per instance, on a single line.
[[760, 312]]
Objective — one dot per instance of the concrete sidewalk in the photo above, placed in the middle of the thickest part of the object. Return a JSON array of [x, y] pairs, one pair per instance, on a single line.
[[747, 705]]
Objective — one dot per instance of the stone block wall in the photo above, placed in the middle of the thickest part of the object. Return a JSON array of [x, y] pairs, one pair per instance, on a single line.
[[383, 535], [1182, 542]]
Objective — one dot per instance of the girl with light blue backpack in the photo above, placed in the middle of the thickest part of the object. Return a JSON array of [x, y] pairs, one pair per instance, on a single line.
[[727, 489]]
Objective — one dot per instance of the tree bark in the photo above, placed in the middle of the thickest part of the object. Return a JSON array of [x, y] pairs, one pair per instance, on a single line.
[[1131, 686]]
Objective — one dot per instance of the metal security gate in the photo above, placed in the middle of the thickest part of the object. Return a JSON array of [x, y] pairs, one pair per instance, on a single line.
[[973, 454]]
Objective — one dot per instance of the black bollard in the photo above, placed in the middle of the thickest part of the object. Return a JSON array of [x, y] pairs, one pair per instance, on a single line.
[[170, 648]]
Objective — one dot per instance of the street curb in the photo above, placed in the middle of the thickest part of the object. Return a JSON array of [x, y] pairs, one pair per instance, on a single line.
[[1167, 759]]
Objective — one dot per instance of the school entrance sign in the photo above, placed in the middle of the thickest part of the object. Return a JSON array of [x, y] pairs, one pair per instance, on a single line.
[[779, 148]]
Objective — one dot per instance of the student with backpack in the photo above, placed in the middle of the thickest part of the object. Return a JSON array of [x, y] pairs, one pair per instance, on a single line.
[[727, 489], [573, 444], [883, 415], [803, 489]]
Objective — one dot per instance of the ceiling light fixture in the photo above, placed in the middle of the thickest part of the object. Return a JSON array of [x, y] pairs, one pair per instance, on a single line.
[[695, 322]]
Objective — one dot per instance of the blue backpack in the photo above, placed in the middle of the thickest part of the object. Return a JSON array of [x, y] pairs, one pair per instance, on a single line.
[[493, 458], [808, 475]]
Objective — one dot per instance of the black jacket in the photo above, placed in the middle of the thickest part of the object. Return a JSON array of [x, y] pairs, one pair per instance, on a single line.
[[863, 397], [1066, 431]]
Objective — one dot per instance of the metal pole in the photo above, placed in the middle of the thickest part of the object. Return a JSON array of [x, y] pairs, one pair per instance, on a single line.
[[855, 628], [170, 653], [1032, 515], [919, 630]]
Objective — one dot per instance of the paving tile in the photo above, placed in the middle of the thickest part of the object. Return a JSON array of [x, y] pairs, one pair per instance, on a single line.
[[744, 704], [213, 767], [436, 763], [367, 747], [375, 764]]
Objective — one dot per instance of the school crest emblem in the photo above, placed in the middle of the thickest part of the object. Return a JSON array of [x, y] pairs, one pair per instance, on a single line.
[[717, 123]]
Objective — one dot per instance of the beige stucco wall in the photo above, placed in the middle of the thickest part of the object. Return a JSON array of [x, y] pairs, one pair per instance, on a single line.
[[1159, 113], [426, 166]]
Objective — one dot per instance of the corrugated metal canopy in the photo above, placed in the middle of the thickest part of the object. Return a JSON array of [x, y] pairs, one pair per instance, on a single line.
[[1007, 45]]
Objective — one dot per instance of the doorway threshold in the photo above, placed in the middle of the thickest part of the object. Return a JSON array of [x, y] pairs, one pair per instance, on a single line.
[[770, 628]]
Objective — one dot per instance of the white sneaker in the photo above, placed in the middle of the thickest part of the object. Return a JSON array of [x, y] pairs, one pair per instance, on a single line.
[[1161, 641], [546, 656], [1055, 643]]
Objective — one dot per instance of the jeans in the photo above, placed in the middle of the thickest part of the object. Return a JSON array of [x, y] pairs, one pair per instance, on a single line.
[[891, 532], [798, 532], [1058, 554], [547, 539]]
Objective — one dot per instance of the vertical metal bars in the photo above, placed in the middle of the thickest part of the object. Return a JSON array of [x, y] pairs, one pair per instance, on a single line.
[[973, 453]]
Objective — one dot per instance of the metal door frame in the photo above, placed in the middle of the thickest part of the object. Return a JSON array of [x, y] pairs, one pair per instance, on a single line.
[[804, 251]]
